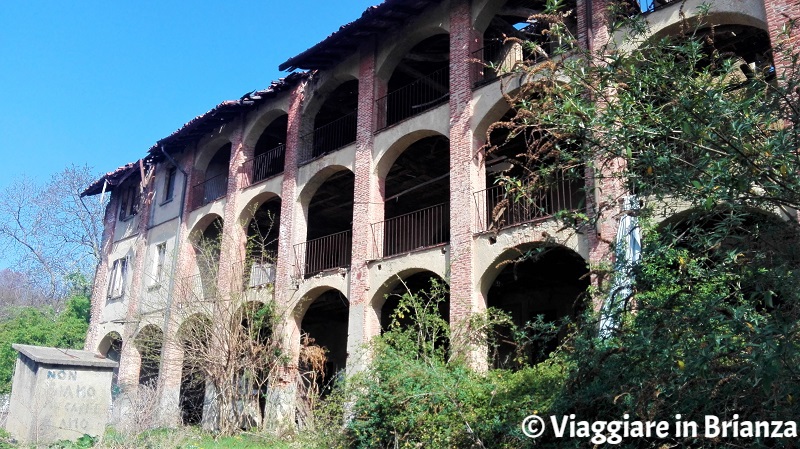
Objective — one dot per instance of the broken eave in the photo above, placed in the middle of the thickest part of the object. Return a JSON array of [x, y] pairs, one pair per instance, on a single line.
[[341, 44], [196, 129], [111, 179], [221, 114]]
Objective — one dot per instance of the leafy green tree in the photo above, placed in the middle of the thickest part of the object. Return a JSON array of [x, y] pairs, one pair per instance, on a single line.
[[42, 327]]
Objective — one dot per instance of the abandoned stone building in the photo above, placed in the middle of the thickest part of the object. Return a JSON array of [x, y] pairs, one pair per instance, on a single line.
[[361, 168]]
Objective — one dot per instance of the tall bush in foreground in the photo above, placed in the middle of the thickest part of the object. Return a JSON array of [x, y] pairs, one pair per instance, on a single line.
[[414, 394]]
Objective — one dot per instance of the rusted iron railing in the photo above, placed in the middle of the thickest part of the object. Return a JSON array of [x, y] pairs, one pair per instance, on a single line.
[[324, 253], [497, 207], [415, 98], [328, 138], [265, 165], [412, 231], [209, 190]]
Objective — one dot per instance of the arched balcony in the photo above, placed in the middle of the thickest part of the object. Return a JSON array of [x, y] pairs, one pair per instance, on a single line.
[[510, 39], [334, 123], [523, 183], [329, 234], [214, 184], [269, 153], [417, 204], [420, 81], [261, 250]]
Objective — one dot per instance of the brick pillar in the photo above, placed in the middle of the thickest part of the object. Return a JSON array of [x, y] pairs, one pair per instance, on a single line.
[[101, 275], [592, 30], [464, 177], [280, 404], [129, 362], [779, 13], [171, 367], [286, 239], [367, 209], [229, 276]]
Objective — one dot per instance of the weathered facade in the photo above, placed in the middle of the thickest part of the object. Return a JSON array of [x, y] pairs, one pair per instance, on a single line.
[[366, 169]]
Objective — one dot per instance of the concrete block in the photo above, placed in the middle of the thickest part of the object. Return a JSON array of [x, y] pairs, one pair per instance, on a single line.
[[58, 394]]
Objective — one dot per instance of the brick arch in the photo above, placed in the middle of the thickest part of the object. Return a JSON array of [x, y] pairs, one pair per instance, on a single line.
[[149, 344], [482, 13], [386, 158], [391, 280], [208, 150], [246, 212], [259, 124], [298, 313], [107, 342], [315, 181], [202, 224], [721, 13], [490, 271], [316, 97], [388, 61]]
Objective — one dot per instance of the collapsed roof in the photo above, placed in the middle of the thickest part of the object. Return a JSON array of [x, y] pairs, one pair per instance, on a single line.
[[375, 20], [195, 129], [333, 49]]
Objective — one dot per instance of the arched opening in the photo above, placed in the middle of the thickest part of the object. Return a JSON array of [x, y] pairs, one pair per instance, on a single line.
[[430, 295], [215, 178], [149, 342], [195, 334], [510, 38], [334, 123], [527, 177], [330, 221], [420, 81], [262, 244], [324, 326], [207, 249], [756, 251], [417, 205], [111, 347], [543, 288], [270, 151], [420, 284]]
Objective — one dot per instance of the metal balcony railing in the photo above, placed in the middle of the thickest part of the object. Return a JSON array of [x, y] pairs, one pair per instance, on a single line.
[[497, 208], [497, 58], [412, 231], [209, 190], [197, 288], [415, 98], [261, 274], [328, 138], [324, 253], [265, 165]]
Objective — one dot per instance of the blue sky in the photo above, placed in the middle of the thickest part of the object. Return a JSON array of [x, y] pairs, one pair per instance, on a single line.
[[98, 82]]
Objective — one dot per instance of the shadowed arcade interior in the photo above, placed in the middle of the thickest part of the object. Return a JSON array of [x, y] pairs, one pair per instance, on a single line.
[[550, 284]]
